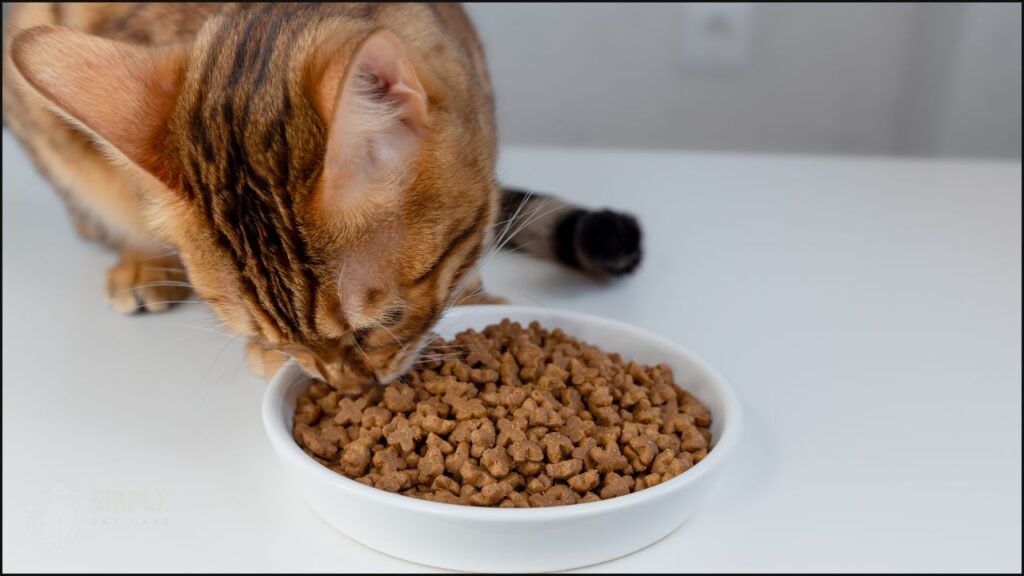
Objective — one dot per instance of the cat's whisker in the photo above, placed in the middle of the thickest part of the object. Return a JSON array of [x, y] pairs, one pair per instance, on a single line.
[[184, 337], [444, 354], [203, 328], [165, 269], [430, 346], [441, 347], [375, 324], [508, 222], [533, 218], [429, 359], [456, 294], [388, 330], [166, 283], [341, 274], [513, 216], [161, 302], [478, 290], [460, 288], [502, 240], [232, 372], [521, 247], [432, 360], [160, 256], [432, 357], [390, 333], [223, 347], [361, 351]]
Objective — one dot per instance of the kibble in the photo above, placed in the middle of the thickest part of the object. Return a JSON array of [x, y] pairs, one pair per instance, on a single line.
[[523, 417]]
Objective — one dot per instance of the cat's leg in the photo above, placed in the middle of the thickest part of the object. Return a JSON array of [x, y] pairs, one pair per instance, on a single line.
[[145, 281], [104, 207], [87, 228], [600, 242], [100, 196], [103, 201], [263, 361]]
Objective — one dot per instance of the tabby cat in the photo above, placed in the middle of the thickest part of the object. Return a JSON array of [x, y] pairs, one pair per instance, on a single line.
[[322, 175]]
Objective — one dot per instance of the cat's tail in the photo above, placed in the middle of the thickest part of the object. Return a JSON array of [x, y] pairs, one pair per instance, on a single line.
[[599, 242]]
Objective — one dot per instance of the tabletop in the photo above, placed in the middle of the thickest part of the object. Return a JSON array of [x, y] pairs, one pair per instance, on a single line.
[[867, 312]]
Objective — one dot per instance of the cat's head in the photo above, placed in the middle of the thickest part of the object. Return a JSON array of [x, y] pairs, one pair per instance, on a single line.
[[326, 188]]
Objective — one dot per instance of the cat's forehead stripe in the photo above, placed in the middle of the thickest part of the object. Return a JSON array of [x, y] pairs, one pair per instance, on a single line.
[[248, 176]]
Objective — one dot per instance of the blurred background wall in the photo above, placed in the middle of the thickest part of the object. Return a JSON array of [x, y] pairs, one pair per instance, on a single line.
[[875, 79]]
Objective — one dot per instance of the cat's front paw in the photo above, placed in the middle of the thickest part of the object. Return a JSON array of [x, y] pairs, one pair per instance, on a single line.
[[263, 361], [139, 283]]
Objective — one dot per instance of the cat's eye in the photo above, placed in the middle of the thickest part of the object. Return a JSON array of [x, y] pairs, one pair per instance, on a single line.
[[360, 334], [392, 316]]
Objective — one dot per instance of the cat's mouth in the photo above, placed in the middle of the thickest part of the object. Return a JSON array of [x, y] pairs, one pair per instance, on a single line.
[[404, 360], [357, 368]]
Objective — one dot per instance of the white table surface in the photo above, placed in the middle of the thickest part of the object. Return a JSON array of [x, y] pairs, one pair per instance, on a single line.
[[867, 312]]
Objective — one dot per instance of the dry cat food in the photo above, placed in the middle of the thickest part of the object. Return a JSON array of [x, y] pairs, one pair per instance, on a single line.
[[510, 417]]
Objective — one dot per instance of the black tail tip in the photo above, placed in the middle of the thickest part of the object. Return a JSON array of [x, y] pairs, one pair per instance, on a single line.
[[608, 243]]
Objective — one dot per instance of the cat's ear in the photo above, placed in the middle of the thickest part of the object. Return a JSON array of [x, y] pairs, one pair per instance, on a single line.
[[376, 112], [120, 94]]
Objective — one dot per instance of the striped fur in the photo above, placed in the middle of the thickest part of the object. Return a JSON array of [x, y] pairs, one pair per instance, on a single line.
[[218, 129]]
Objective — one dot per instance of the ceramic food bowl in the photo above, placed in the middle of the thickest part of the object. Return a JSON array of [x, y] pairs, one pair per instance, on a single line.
[[510, 539]]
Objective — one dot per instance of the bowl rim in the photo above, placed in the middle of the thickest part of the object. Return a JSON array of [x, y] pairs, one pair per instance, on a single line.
[[286, 447]]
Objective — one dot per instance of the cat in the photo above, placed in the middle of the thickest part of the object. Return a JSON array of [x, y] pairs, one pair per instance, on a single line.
[[322, 175]]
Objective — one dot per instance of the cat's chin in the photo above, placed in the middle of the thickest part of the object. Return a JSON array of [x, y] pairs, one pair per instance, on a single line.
[[307, 371], [407, 363]]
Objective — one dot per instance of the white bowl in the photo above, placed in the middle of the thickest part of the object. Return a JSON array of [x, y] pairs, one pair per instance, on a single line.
[[516, 539]]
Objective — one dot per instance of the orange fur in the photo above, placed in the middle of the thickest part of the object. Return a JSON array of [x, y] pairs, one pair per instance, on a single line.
[[322, 218]]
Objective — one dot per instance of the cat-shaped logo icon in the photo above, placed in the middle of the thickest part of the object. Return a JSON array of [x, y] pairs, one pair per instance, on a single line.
[[55, 521]]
